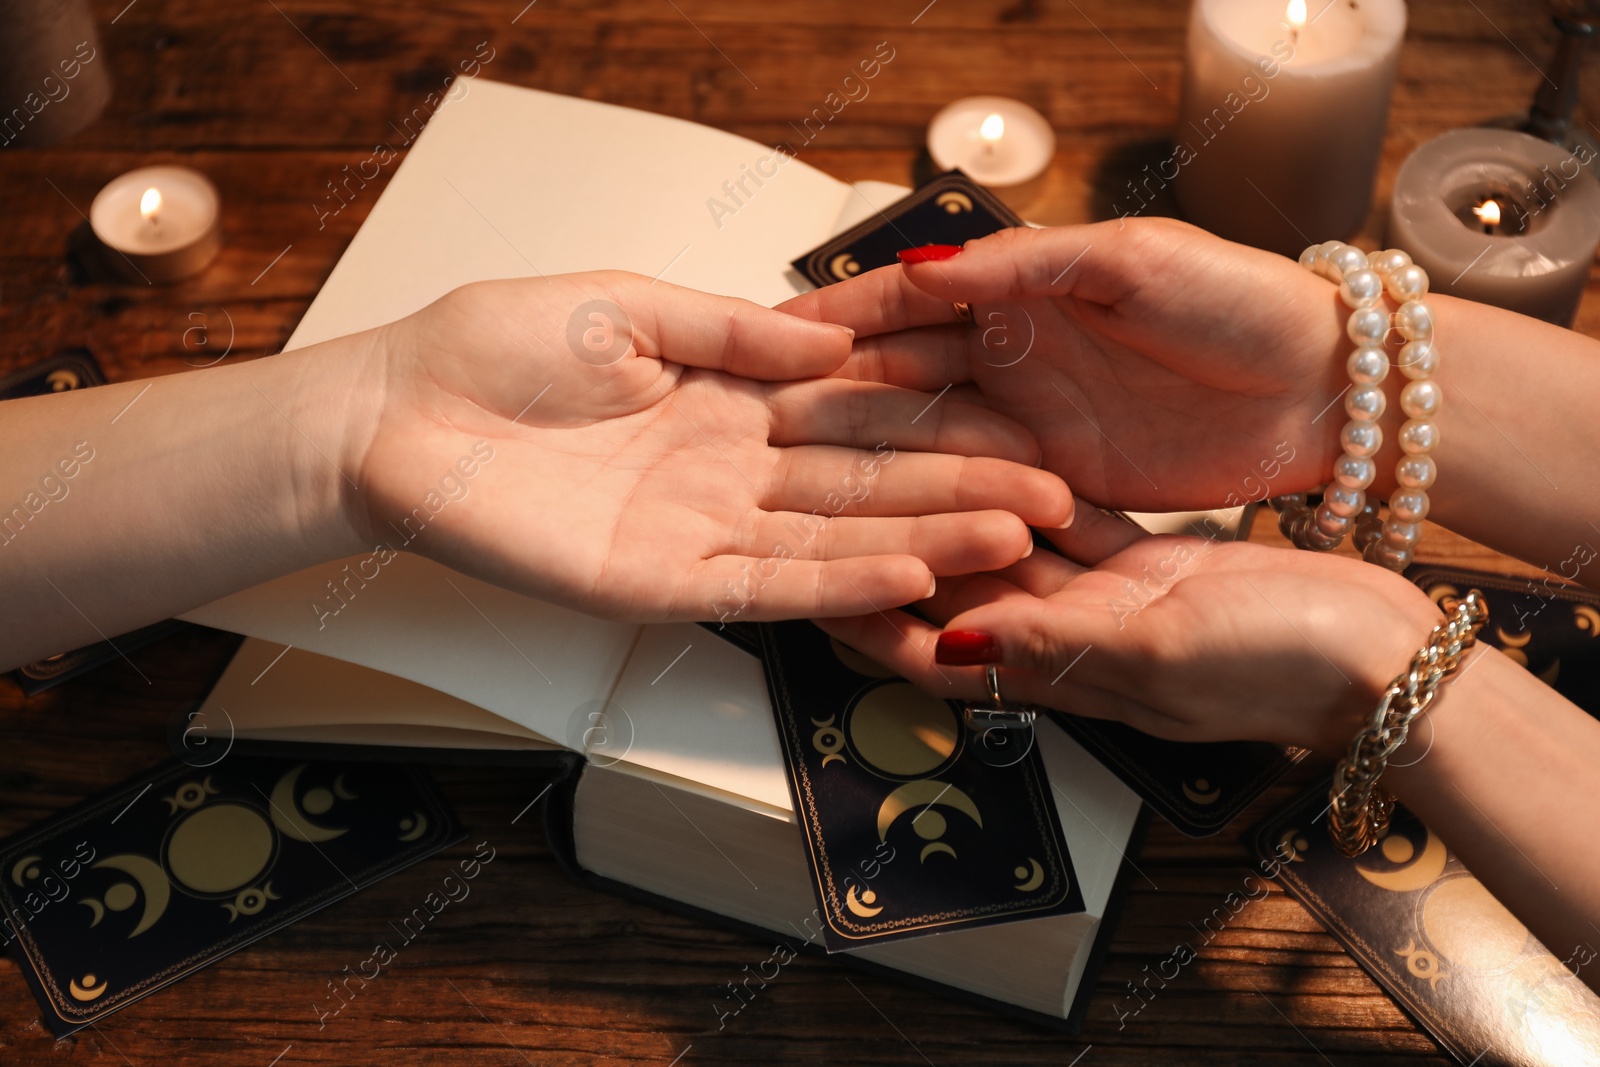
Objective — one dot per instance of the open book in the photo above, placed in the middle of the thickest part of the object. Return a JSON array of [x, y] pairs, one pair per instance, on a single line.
[[508, 182]]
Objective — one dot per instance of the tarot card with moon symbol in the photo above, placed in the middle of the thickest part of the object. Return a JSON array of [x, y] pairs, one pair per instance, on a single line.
[[168, 873], [1434, 937], [952, 209], [908, 832]]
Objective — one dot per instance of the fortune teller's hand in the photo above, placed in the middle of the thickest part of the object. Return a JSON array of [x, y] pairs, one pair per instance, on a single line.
[[1161, 368], [1181, 637], [656, 455]]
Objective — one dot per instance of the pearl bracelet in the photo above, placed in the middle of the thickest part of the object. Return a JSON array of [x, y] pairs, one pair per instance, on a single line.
[[1345, 506]]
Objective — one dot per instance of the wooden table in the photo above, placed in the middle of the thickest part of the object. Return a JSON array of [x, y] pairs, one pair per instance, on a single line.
[[273, 99]]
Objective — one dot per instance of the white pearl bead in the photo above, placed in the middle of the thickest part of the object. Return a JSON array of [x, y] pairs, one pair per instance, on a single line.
[[1365, 403], [1308, 258], [1416, 472], [1361, 288], [1368, 326], [1347, 260], [1415, 321], [1354, 472], [1343, 502], [1323, 266], [1388, 261], [1418, 437], [1368, 365], [1402, 534], [1420, 399], [1360, 438], [1409, 505], [1418, 359], [1331, 525], [1408, 283]]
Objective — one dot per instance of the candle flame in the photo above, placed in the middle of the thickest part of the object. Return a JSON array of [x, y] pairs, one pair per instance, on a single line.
[[1488, 212], [150, 202], [993, 128], [1297, 13]]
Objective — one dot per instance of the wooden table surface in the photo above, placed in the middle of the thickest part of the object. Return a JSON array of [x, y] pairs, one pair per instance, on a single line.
[[272, 98]]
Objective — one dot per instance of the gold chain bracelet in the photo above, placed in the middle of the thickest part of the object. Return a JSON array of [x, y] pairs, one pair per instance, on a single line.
[[1358, 808]]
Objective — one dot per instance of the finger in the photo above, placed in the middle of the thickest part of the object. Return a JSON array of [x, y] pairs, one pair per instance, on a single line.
[[1094, 535], [905, 644], [1100, 263], [723, 333], [828, 481], [1042, 574], [928, 358], [834, 411], [726, 588], [948, 544], [962, 594], [876, 302]]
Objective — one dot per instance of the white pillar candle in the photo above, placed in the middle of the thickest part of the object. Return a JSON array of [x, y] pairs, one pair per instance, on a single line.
[[1000, 143], [1500, 217], [160, 223], [1282, 120]]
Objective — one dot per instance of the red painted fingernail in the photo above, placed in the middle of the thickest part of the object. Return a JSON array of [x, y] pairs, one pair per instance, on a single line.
[[966, 648], [928, 253]]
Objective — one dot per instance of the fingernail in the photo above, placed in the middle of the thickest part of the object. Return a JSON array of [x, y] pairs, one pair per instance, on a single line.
[[933, 583], [966, 648], [928, 253], [1029, 552], [848, 332]]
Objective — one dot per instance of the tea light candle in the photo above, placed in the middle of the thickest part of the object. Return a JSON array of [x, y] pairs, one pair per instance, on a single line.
[[1281, 124], [1500, 217], [998, 142], [163, 221]]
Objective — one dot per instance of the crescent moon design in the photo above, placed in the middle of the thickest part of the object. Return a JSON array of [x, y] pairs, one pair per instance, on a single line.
[[419, 827], [1549, 676], [842, 266], [858, 905], [1034, 880], [98, 909], [21, 865], [921, 794], [288, 818], [89, 990], [935, 846], [954, 202], [1439, 593], [152, 883], [1586, 618], [1415, 875], [341, 791], [1200, 794], [834, 756], [62, 379]]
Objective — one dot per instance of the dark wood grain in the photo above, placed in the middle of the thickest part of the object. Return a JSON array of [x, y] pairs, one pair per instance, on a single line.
[[272, 100]]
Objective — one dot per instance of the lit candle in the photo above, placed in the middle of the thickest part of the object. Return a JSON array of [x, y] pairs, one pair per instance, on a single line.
[[1281, 124], [1001, 143], [159, 223], [1500, 217]]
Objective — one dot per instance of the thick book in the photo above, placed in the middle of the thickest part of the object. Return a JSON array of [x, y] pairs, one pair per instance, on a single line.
[[680, 795]]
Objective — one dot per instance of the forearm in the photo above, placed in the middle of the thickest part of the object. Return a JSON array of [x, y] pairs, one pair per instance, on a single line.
[[1505, 770], [126, 504], [1519, 439]]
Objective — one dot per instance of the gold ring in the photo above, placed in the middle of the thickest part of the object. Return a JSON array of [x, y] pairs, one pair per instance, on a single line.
[[963, 311]]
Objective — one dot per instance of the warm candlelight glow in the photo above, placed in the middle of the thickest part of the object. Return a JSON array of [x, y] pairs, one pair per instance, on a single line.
[[150, 203], [993, 128], [1488, 212], [1297, 13]]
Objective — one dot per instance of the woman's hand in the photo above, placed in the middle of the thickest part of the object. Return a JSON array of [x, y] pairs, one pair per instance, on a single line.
[[623, 461], [1179, 637], [1161, 368]]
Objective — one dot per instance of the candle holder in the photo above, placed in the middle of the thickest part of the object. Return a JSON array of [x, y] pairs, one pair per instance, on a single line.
[[1550, 116]]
